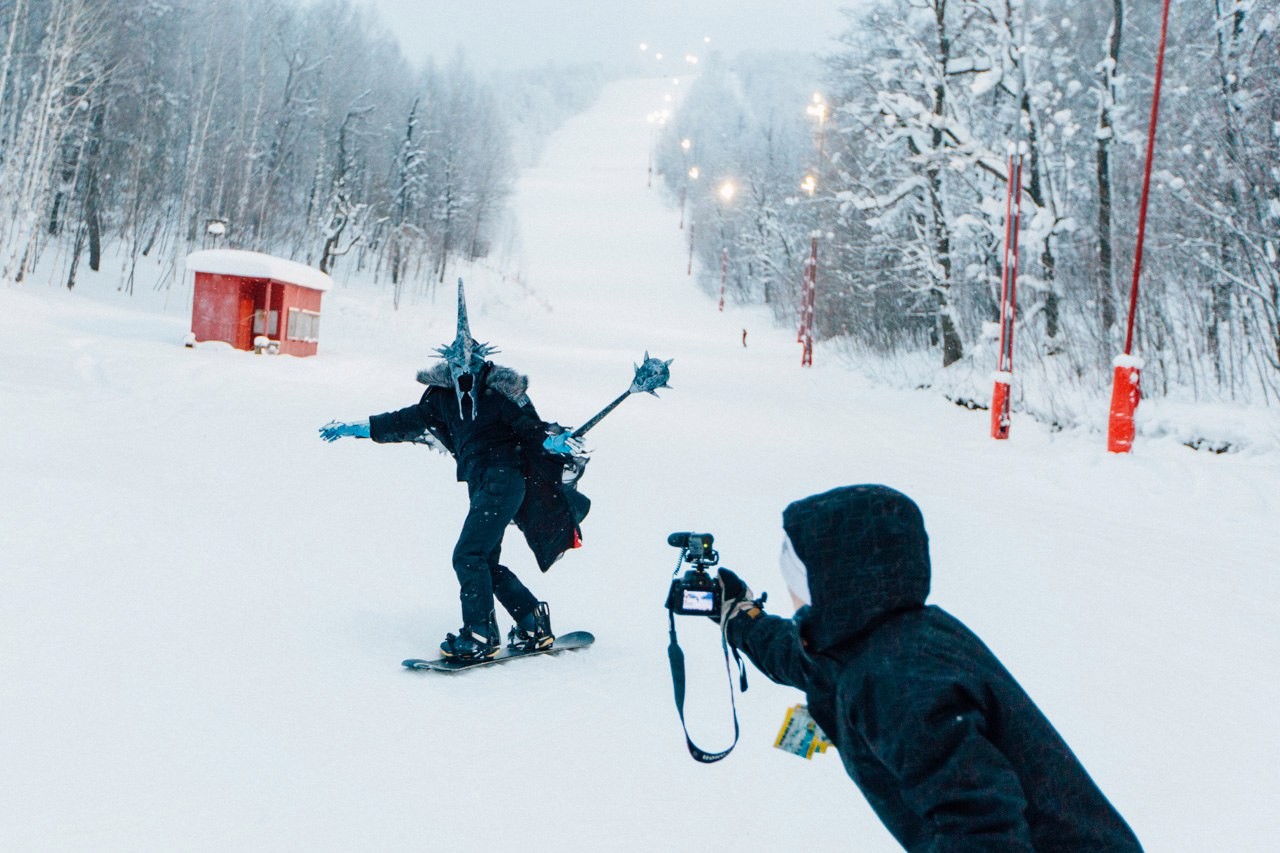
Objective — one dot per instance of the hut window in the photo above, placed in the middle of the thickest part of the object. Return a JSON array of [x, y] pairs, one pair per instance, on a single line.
[[266, 322], [304, 325]]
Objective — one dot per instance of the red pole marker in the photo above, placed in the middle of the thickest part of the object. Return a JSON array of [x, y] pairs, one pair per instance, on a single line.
[[1126, 391], [724, 273], [811, 292], [1003, 377], [1127, 376], [804, 304], [1000, 404]]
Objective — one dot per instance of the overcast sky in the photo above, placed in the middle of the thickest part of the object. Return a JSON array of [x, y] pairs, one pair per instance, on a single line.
[[497, 34]]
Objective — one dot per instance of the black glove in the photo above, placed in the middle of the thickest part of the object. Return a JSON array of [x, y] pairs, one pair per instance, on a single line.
[[736, 598]]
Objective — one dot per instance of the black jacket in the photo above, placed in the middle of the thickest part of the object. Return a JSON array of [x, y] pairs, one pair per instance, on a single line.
[[505, 421], [940, 738], [504, 432]]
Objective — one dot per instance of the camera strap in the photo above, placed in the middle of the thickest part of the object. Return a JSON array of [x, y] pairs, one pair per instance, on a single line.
[[675, 655]]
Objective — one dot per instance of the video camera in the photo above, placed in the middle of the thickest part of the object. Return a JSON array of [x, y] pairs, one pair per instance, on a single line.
[[696, 592]]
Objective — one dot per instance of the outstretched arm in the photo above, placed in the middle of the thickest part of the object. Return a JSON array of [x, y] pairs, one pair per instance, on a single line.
[[773, 645], [412, 423]]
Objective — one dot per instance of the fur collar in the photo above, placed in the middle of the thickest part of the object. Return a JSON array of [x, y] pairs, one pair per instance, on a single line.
[[504, 380]]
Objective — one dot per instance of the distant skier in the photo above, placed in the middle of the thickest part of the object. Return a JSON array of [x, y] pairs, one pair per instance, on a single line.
[[744, 338], [511, 461]]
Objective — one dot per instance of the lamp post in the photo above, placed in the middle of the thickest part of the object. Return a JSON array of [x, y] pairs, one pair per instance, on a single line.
[[693, 176], [685, 145], [818, 109], [214, 230], [689, 269], [809, 289], [657, 119], [728, 190]]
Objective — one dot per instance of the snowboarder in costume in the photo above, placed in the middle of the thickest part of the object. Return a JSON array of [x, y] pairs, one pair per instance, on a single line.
[[511, 461], [940, 738]]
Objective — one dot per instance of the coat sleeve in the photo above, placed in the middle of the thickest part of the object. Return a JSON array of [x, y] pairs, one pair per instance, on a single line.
[[523, 420], [930, 733], [410, 424], [773, 645]]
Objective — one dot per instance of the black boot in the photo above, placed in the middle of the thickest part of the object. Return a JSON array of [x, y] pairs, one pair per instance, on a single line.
[[533, 631], [473, 642]]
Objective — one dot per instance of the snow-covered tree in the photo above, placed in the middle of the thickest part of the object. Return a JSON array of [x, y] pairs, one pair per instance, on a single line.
[[928, 96], [299, 129]]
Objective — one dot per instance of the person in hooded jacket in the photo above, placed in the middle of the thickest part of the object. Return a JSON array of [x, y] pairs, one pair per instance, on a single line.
[[511, 461], [948, 749]]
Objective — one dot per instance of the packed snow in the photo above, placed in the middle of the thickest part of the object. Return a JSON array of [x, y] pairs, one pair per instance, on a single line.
[[203, 607]]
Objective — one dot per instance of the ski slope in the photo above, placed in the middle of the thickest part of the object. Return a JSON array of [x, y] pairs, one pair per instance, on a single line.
[[203, 607]]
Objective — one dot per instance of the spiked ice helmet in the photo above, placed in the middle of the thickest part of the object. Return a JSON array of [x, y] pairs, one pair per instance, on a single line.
[[465, 356]]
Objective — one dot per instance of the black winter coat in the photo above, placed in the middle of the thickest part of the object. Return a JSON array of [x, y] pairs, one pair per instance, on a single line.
[[940, 738], [504, 421], [505, 431]]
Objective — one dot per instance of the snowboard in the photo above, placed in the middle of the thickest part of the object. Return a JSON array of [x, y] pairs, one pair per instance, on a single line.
[[564, 643]]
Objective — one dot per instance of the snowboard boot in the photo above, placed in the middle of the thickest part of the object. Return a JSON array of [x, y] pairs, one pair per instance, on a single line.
[[533, 631], [473, 642]]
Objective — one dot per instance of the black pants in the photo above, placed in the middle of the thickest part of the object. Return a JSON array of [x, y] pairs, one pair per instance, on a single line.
[[496, 495]]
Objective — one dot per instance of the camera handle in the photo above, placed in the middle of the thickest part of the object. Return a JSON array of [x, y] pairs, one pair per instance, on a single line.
[[676, 657]]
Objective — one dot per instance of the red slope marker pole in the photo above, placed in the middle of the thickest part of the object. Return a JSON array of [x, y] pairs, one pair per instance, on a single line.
[[1003, 376], [1126, 388], [811, 291], [724, 273]]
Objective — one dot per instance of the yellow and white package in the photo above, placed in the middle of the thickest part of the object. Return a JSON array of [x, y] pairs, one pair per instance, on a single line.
[[800, 735]]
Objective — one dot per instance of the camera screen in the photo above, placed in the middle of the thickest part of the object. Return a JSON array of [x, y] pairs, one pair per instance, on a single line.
[[701, 600]]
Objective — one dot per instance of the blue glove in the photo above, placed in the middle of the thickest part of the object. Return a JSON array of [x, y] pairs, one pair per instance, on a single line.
[[334, 430], [562, 444]]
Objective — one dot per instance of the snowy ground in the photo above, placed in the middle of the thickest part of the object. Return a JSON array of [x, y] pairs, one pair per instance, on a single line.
[[203, 607]]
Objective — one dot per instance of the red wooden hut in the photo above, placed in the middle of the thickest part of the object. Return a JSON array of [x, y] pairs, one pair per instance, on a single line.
[[255, 301]]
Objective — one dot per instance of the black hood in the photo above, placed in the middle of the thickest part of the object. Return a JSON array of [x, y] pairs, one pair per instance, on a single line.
[[866, 556]]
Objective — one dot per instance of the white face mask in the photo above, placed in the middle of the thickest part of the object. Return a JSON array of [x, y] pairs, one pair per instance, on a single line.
[[794, 572]]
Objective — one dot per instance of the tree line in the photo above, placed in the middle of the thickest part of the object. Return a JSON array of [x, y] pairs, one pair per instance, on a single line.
[[159, 127], [907, 149]]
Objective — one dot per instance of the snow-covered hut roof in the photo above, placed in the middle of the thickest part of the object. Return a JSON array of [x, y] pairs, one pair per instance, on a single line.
[[257, 265]]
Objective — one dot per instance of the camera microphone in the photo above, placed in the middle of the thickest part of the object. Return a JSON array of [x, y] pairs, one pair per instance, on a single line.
[[688, 539]]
